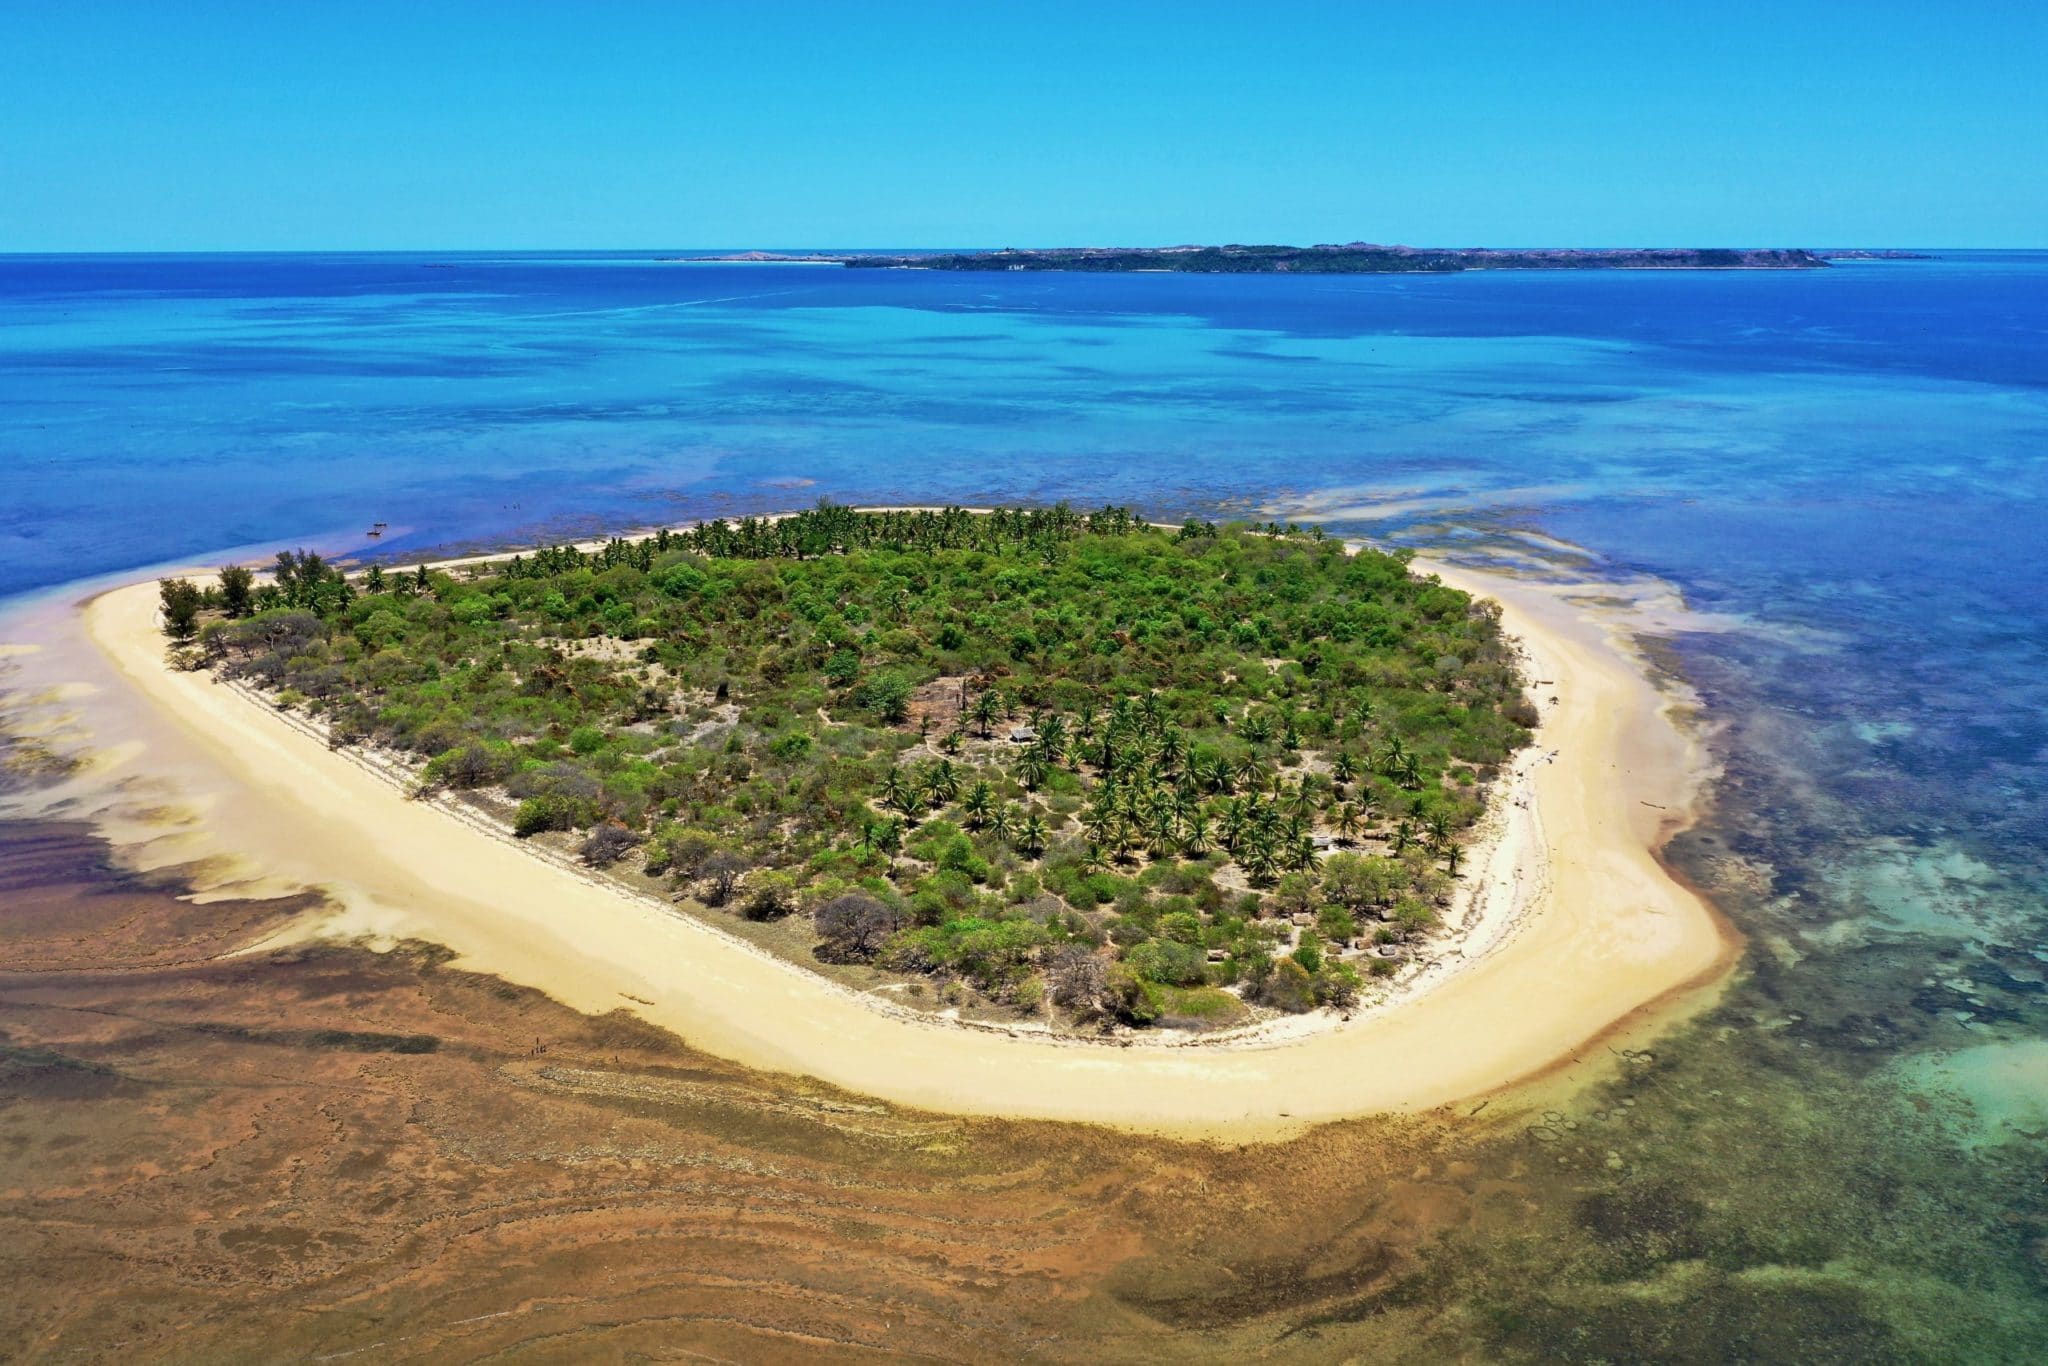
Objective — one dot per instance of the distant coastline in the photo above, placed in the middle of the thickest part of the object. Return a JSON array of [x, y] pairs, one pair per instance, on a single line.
[[1873, 254], [1350, 258]]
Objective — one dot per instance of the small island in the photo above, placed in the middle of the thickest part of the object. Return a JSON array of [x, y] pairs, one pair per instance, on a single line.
[[1019, 764]]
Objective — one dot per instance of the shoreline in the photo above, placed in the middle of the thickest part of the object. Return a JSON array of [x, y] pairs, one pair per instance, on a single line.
[[1577, 944]]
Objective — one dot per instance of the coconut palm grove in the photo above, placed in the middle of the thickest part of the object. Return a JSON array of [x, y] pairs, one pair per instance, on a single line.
[[1035, 762]]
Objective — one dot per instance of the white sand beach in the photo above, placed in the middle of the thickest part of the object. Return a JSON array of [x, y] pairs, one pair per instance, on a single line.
[[1568, 930]]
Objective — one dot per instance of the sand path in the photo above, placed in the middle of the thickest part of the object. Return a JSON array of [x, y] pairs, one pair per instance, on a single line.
[[1603, 937]]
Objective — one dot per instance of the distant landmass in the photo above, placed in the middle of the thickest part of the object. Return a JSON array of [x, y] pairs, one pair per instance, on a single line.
[[1351, 258], [1348, 258], [1873, 254]]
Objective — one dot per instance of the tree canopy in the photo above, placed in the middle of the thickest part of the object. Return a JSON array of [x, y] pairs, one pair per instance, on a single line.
[[969, 745]]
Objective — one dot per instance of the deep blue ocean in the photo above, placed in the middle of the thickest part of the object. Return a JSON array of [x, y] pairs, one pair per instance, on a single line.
[[1846, 470]]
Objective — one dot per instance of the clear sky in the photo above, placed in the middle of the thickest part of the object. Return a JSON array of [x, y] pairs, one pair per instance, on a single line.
[[312, 124]]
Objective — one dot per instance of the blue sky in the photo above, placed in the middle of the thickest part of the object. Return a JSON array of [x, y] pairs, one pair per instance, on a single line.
[[189, 125]]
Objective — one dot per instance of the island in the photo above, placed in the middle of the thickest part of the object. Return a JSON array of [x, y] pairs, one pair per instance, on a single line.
[[1350, 258], [1347, 258], [1566, 947], [1023, 764]]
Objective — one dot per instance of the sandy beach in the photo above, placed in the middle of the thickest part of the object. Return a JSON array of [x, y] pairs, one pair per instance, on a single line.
[[1572, 929]]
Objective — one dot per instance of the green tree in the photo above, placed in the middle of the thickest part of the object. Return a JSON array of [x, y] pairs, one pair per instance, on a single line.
[[977, 803], [236, 583], [181, 600]]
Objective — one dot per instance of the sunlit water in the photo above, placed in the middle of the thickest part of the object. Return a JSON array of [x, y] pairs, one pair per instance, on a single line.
[[1843, 471]]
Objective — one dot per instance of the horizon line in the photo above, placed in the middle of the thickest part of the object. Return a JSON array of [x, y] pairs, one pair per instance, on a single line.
[[636, 250]]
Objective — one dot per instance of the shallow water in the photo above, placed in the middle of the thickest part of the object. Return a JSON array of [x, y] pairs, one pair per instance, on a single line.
[[1843, 472]]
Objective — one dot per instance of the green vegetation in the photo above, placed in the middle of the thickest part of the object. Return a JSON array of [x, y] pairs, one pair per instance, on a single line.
[[1056, 761]]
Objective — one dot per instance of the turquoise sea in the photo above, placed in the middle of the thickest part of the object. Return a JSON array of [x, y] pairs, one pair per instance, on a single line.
[[1843, 472]]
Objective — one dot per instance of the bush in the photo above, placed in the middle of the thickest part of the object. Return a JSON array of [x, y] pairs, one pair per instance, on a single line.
[[1337, 986], [854, 927], [770, 896], [548, 812], [1412, 916], [887, 695], [1290, 988], [607, 845], [1168, 961], [471, 765], [683, 581], [993, 953], [1130, 997], [1077, 980], [721, 872]]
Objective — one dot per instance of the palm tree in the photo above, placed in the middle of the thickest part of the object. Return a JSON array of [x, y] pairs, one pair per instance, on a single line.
[[1032, 771], [976, 806], [1159, 827], [893, 788], [1236, 823], [1194, 834], [1258, 860], [1404, 835], [1000, 825], [1302, 802], [1302, 855], [1348, 823], [1454, 854], [1344, 768], [984, 712], [1249, 771], [1032, 839], [942, 782]]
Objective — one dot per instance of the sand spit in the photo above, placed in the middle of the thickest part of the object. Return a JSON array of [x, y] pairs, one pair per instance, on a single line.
[[1570, 926]]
